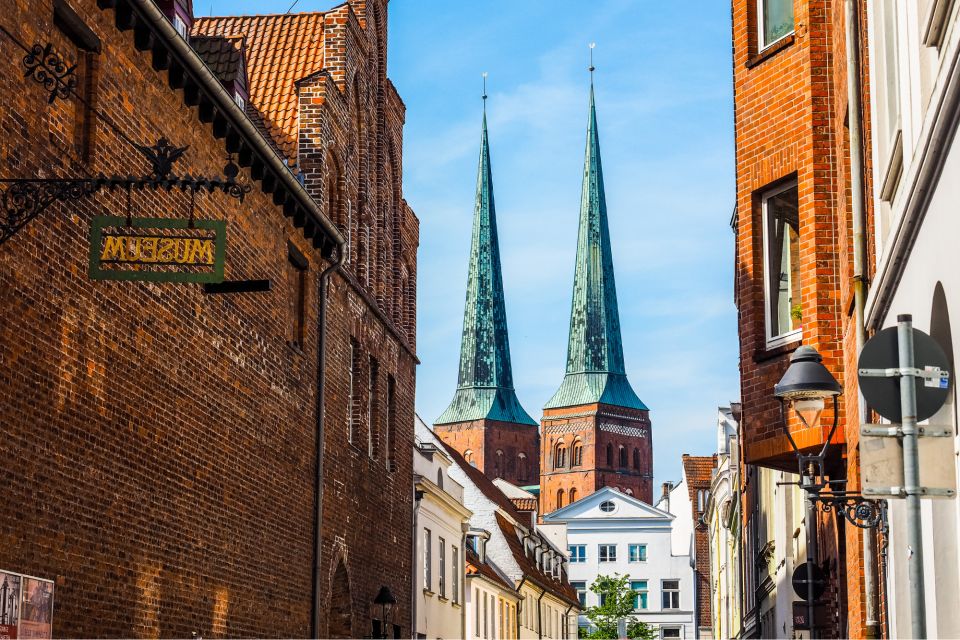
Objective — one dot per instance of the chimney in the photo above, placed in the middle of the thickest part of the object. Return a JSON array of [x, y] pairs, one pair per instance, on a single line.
[[667, 488]]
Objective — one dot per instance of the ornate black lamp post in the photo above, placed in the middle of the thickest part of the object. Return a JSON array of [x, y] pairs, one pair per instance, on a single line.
[[388, 604]]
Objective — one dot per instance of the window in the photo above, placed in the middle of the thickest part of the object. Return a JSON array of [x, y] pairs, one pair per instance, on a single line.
[[88, 48], [239, 100], [670, 632], [577, 452], [781, 231], [296, 294], [608, 552], [636, 459], [701, 500], [498, 464], [609, 455], [573, 496], [638, 553], [391, 444], [353, 408], [468, 457], [455, 573], [476, 605], [427, 560], [640, 600], [623, 456], [581, 588], [607, 506], [486, 618], [372, 417], [888, 126], [774, 21], [522, 467], [578, 552], [671, 594], [180, 26], [559, 498], [442, 545], [560, 456]]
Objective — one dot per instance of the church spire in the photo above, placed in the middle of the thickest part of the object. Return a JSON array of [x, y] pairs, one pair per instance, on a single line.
[[485, 385], [595, 368]]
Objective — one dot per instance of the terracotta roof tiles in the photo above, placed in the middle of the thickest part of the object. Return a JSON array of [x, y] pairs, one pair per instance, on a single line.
[[699, 469], [280, 50]]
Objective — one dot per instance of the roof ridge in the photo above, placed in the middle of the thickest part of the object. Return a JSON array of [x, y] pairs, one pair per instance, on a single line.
[[248, 16]]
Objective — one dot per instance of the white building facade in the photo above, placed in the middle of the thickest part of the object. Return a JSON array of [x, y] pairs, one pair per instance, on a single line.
[[915, 111], [441, 522], [612, 533]]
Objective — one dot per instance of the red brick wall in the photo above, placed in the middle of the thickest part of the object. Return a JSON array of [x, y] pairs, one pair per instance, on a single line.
[[484, 438], [596, 426], [159, 443]]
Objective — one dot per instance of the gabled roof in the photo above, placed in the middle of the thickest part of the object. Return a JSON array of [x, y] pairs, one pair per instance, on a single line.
[[281, 49], [587, 503], [475, 567], [595, 367], [223, 54], [483, 483], [698, 470], [485, 382], [560, 588]]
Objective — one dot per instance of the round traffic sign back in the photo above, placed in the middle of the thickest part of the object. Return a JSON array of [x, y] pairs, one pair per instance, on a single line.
[[801, 578], [883, 394]]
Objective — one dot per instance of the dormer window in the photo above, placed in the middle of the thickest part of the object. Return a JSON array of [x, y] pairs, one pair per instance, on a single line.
[[240, 100]]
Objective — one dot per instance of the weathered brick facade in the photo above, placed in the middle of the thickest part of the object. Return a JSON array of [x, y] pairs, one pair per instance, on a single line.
[[698, 472], [615, 451], [159, 443], [791, 124]]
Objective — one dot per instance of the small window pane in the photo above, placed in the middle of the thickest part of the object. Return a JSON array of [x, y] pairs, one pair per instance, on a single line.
[[776, 20], [782, 220]]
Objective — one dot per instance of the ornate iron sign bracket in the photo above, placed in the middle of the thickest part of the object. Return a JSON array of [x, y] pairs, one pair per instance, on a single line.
[[25, 199], [859, 511]]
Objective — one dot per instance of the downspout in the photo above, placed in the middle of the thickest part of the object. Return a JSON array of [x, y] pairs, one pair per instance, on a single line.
[[520, 603], [462, 581], [858, 211], [318, 480], [417, 497], [566, 622], [543, 592]]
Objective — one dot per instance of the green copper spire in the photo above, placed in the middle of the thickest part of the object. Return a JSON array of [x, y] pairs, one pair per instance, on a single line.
[[595, 369], [485, 387]]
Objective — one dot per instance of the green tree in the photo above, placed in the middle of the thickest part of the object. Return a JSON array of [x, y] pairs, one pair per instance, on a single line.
[[617, 603]]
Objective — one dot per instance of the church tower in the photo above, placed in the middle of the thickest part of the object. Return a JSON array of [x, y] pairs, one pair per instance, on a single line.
[[485, 421], [595, 430]]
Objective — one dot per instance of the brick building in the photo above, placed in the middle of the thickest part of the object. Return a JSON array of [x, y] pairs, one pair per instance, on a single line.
[[698, 476], [169, 462], [596, 431], [485, 421], [797, 274]]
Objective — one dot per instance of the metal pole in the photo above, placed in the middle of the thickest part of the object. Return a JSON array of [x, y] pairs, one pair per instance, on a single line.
[[911, 477], [811, 551]]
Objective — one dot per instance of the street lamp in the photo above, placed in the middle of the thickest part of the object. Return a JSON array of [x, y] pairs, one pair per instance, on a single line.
[[387, 603]]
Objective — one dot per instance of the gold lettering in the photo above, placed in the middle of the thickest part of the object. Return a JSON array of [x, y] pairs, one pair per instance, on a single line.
[[114, 248], [148, 249], [167, 250], [201, 251]]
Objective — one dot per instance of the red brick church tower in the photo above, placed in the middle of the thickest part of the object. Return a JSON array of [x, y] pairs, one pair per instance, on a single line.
[[595, 431], [485, 421]]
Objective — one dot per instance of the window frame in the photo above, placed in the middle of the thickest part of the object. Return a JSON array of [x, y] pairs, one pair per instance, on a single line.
[[679, 631], [442, 566], [427, 560], [643, 593], [641, 552], [577, 558], [766, 195], [761, 44], [455, 574], [664, 592], [610, 557], [581, 591]]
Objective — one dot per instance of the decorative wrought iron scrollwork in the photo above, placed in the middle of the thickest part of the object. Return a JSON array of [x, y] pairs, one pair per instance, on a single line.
[[858, 511], [46, 67], [23, 200]]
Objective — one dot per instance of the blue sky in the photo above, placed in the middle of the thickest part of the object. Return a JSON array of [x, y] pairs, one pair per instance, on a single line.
[[664, 100]]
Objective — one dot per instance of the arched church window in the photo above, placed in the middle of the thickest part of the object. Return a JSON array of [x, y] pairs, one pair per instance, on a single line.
[[623, 456], [560, 456], [577, 452], [498, 464], [609, 455], [559, 498], [522, 467], [468, 456], [573, 495], [636, 459]]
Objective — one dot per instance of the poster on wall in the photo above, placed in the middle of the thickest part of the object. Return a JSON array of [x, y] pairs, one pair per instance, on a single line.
[[36, 608], [9, 605]]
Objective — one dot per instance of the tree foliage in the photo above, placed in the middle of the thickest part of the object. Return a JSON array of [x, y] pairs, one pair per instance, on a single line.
[[618, 601]]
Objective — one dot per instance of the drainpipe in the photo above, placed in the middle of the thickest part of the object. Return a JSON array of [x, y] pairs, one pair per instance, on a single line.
[[318, 480], [859, 276], [543, 592], [520, 603], [417, 497], [566, 622]]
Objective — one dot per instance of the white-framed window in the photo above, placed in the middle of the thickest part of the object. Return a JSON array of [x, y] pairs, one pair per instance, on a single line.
[[476, 606], [671, 594], [607, 553], [774, 21], [668, 633], [238, 98], [180, 26], [608, 506], [638, 553], [455, 574], [427, 560], [640, 600], [581, 588], [781, 253], [442, 546], [888, 120], [578, 552], [702, 495]]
